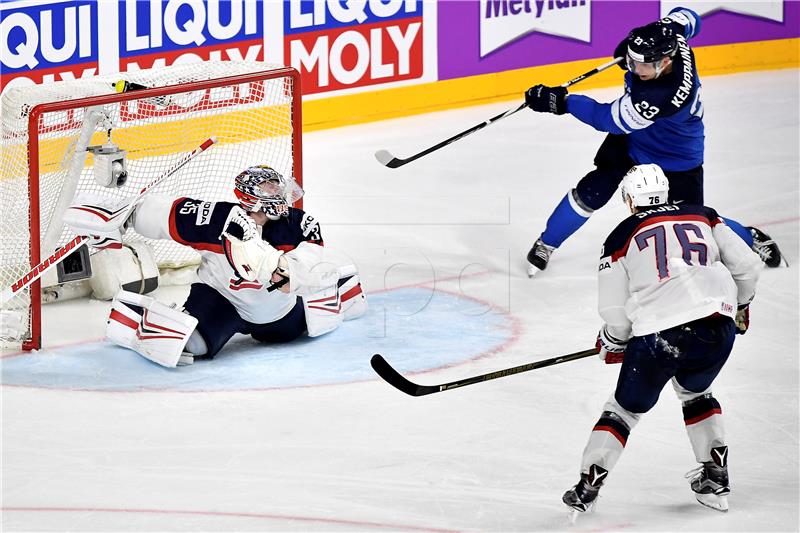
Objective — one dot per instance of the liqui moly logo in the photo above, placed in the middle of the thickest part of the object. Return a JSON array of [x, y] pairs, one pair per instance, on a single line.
[[42, 41], [505, 21], [47, 42], [355, 43], [766, 9], [157, 33]]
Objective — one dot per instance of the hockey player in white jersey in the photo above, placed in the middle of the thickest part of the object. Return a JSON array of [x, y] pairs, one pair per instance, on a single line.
[[264, 272], [675, 284]]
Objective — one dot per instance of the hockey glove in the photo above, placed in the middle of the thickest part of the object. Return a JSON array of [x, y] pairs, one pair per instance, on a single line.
[[742, 319], [240, 225], [547, 99], [100, 218], [252, 258], [610, 349]]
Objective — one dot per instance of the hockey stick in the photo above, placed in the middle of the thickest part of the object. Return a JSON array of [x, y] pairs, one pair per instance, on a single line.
[[396, 380], [65, 251], [386, 158]]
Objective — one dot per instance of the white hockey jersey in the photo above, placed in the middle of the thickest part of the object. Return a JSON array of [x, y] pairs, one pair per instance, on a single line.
[[670, 265], [200, 224]]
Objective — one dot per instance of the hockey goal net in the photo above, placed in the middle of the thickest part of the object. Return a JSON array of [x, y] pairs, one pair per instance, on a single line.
[[253, 110]]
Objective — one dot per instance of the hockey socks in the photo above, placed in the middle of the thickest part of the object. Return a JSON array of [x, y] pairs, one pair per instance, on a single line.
[[740, 230], [566, 219], [609, 436]]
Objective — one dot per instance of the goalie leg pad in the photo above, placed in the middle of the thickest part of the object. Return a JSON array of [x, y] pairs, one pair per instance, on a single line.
[[152, 329], [328, 308], [132, 268], [354, 302], [323, 310]]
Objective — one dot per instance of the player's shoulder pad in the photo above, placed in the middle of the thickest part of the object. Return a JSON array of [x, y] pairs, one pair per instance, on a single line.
[[618, 238], [302, 225], [202, 212], [671, 93]]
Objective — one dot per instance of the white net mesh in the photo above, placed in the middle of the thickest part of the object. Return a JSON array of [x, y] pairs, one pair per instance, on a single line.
[[252, 120]]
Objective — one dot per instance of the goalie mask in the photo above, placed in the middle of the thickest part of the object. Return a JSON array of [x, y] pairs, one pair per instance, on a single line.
[[262, 188]]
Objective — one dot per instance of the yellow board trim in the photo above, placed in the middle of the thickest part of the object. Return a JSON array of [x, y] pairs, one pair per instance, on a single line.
[[174, 136], [510, 85]]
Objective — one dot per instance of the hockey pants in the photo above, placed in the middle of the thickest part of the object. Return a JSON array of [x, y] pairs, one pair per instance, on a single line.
[[691, 355], [597, 187], [218, 320]]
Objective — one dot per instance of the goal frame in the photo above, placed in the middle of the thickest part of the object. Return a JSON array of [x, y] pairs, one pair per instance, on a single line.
[[35, 340]]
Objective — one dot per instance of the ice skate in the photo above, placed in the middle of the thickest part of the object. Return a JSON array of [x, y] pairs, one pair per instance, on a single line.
[[583, 496], [766, 248], [538, 257], [709, 481]]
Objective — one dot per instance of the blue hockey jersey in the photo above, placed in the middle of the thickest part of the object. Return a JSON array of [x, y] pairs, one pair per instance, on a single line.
[[663, 118]]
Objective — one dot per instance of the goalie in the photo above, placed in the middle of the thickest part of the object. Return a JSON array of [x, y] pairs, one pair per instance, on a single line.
[[264, 271]]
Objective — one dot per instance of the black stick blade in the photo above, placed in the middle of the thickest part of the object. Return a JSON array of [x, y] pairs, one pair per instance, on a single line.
[[386, 159], [393, 378]]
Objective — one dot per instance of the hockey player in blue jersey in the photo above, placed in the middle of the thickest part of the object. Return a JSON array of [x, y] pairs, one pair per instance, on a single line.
[[658, 120], [264, 272], [674, 286]]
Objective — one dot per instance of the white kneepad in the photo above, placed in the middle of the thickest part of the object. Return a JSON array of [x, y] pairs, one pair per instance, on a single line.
[[154, 330], [131, 268]]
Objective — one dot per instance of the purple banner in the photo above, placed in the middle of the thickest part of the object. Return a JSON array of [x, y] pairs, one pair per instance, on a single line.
[[486, 36]]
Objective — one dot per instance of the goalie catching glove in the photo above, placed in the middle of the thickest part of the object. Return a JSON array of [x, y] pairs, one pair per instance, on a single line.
[[100, 218], [249, 255], [610, 349]]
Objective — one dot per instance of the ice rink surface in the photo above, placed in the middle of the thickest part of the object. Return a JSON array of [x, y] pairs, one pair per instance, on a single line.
[[306, 438]]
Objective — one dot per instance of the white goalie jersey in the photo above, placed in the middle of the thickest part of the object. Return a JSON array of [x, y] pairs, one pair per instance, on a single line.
[[200, 225], [671, 265]]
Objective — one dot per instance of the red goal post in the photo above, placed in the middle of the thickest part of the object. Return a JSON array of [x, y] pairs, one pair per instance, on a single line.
[[253, 109]]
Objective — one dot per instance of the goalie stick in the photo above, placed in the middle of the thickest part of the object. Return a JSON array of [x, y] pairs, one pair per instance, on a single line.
[[396, 380], [386, 158], [65, 251]]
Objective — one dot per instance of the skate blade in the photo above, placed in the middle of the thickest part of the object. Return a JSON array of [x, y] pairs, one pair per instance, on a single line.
[[532, 270], [713, 501], [573, 516]]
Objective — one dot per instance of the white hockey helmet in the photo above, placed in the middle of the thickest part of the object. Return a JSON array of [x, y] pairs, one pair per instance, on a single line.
[[646, 185]]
